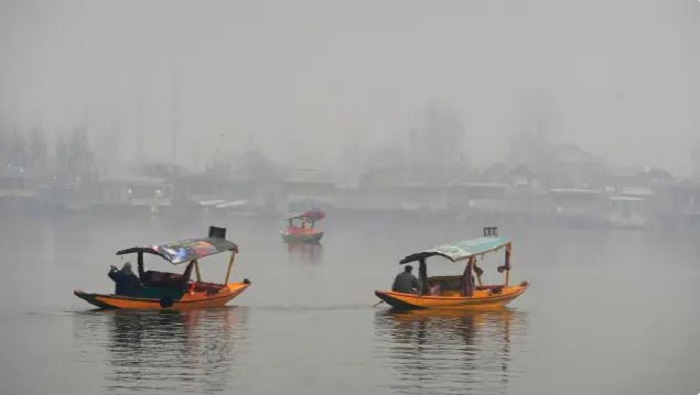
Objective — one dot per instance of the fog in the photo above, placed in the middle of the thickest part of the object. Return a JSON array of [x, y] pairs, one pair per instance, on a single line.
[[323, 84], [570, 126]]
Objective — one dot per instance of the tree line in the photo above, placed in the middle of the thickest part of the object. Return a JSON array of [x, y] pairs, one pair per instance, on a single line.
[[32, 151]]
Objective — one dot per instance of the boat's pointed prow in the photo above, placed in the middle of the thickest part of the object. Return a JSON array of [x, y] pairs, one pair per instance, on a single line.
[[394, 301], [92, 299]]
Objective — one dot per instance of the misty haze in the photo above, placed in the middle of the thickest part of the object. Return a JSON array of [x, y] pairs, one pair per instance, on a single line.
[[385, 129]]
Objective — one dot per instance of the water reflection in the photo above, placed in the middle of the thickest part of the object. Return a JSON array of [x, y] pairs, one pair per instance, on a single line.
[[437, 351], [305, 252], [161, 352]]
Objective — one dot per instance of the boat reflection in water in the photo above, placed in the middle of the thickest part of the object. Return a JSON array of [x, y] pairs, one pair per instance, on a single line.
[[162, 352], [436, 351], [306, 252]]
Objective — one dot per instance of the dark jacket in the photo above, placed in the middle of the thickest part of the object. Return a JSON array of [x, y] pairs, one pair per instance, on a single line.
[[125, 283], [406, 283]]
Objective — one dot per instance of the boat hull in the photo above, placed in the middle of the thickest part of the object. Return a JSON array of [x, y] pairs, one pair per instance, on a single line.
[[192, 300], [314, 237], [481, 300]]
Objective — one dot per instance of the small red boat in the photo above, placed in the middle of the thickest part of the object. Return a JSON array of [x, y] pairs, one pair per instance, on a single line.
[[302, 227]]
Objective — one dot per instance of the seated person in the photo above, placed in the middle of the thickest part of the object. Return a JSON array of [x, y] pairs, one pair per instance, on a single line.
[[126, 282], [406, 282]]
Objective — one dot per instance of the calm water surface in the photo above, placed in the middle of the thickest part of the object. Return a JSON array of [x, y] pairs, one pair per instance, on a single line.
[[611, 312]]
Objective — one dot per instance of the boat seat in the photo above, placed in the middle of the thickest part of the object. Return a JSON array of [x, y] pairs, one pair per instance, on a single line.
[[446, 283], [153, 278], [209, 288], [493, 289]]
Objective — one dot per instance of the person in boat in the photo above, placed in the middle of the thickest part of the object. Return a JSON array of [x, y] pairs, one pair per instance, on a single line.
[[406, 282], [126, 282]]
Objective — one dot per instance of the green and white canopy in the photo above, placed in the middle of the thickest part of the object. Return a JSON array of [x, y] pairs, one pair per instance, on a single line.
[[461, 250]]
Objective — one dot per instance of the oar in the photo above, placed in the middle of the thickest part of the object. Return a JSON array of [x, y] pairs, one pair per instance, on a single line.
[[378, 303]]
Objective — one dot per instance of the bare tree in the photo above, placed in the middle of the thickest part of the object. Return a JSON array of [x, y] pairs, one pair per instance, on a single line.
[[436, 144], [18, 150], [37, 150]]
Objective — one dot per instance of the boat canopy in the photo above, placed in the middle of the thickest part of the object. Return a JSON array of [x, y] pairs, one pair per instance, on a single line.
[[460, 250], [311, 215], [295, 216], [185, 250]]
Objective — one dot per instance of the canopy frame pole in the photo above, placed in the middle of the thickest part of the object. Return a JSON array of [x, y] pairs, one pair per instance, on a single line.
[[423, 277], [230, 266], [139, 258], [478, 271], [196, 268], [507, 263]]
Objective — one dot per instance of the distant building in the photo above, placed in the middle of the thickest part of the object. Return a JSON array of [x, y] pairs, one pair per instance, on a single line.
[[570, 166], [250, 182], [18, 187], [129, 192], [308, 187], [685, 202]]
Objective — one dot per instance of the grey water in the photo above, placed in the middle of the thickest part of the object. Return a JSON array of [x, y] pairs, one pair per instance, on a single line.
[[608, 312]]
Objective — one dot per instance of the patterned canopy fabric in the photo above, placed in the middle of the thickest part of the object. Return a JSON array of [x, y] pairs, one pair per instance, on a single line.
[[185, 250]]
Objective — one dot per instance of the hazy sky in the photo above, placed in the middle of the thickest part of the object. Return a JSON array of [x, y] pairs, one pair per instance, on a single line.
[[303, 81]]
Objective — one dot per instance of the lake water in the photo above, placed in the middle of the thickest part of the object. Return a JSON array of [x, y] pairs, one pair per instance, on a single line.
[[608, 312]]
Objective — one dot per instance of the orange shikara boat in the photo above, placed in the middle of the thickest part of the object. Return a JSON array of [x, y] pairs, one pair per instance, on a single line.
[[171, 291], [459, 292]]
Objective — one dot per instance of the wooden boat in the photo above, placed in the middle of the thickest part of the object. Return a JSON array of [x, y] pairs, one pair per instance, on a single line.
[[170, 291], [302, 227], [459, 292]]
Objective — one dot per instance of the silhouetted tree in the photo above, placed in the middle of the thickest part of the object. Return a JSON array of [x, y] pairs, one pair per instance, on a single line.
[[17, 156], [4, 147], [75, 156], [531, 139], [37, 150], [435, 148]]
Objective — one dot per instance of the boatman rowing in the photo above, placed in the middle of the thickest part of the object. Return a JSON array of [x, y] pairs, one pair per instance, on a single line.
[[127, 283]]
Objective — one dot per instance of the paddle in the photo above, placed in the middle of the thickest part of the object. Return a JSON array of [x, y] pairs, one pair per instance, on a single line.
[[378, 303]]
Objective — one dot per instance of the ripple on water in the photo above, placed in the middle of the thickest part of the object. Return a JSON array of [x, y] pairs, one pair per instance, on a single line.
[[158, 352], [441, 352]]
